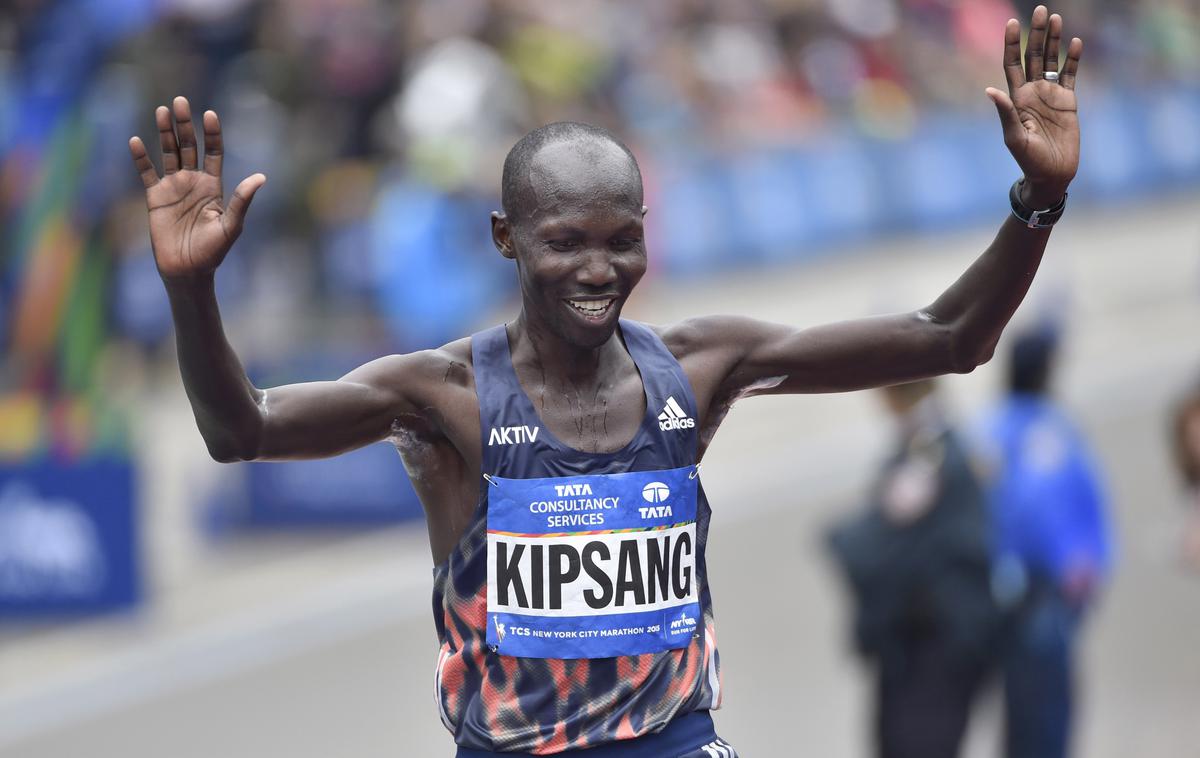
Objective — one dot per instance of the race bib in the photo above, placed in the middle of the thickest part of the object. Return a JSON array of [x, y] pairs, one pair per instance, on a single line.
[[592, 566]]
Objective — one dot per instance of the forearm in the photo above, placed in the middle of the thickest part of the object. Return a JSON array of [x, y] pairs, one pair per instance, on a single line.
[[225, 403], [978, 306]]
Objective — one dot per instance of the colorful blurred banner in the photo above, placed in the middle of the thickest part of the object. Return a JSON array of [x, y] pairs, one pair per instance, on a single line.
[[58, 274], [68, 538], [55, 256]]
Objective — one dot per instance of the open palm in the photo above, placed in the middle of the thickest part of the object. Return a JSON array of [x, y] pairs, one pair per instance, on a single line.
[[190, 229], [1039, 114]]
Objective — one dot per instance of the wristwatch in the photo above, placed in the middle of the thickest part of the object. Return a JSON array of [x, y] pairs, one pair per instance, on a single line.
[[1034, 219]]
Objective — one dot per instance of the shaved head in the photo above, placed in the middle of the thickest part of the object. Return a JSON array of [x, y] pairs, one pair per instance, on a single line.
[[572, 223], [566, 148]]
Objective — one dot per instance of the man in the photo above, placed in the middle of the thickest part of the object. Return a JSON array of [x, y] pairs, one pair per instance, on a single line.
[[1052, 544], [917, 560], [556, 455]]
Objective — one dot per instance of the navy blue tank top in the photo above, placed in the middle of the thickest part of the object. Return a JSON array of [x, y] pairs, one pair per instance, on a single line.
[[567, 613]]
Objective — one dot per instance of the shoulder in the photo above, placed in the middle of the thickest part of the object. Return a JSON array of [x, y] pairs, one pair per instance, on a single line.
[[703, 334], [420, 371], [450, 362]]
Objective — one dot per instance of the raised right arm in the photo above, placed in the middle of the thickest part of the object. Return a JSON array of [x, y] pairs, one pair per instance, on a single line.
[[191, 232], [240, 422]]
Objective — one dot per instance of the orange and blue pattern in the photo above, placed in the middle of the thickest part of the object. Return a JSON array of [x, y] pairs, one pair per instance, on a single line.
[[547, 706]]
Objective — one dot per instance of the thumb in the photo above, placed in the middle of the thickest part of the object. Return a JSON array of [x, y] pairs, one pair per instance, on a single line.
[[239, 203], [1010, 122]]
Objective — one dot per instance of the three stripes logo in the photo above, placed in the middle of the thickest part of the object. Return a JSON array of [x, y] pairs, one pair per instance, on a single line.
[[719, 748], [674, 418]]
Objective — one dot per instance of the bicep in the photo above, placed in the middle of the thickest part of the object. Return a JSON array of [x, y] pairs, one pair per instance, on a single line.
[[322, 419], [836, 357]]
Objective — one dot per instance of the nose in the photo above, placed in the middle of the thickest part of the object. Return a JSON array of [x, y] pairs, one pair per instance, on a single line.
[[596, 269]]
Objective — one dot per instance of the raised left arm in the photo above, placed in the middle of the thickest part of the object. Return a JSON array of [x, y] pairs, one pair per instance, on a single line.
[[959, 331]]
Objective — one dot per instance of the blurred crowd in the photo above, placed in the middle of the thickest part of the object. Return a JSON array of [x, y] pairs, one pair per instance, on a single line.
[[382, 127]]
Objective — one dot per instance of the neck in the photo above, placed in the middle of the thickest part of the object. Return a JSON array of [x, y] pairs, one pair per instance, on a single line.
[[534, 343]]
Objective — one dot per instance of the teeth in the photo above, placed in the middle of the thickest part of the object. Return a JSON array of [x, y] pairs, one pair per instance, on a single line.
[[591, 307]]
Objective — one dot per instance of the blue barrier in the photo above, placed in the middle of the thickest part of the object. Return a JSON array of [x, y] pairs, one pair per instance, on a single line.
[[787, 203], [367, 486], [68, 537]]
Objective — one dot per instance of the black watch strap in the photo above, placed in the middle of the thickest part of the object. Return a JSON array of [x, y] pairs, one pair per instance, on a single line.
[[1034, 219]]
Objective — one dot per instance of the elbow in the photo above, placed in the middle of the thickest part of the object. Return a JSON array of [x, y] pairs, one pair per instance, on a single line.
[[965, 351], [225, 455], [223, 452], [968, 356], [228, 447]]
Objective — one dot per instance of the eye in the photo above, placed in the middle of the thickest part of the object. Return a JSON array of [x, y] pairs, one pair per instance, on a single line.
[[563, 246], [623, 244]]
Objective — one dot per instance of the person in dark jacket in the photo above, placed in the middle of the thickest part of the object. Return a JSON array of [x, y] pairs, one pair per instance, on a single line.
[[917, 562]]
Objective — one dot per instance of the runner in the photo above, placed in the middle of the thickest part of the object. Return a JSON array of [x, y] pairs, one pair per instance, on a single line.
[[557, 455]]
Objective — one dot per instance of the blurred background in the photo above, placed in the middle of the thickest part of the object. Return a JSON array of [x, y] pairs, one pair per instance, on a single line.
[[805, 161]]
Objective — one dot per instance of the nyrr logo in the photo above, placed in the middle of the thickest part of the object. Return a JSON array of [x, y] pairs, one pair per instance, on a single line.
[[674, 418], [513, 435], [684, 620]]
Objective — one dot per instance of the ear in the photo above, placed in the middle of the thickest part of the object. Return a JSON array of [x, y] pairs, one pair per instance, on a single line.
[[502, 235], [644, 209]]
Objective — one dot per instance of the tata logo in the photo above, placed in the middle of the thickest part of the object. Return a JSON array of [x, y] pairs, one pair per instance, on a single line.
[[513, 435], [572, 490], [656, 492], [655, 511]]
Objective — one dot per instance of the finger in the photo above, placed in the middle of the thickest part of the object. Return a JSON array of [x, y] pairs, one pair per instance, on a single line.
[[166, 138], [214, 148], [1074, 50], [1014, 72], [239, 203], [1010, 121], [187, 134], [1035, 47], [142, 162], [1053, 35]]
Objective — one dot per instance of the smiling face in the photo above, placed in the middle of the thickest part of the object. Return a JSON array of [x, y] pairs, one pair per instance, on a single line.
[[575, 231]]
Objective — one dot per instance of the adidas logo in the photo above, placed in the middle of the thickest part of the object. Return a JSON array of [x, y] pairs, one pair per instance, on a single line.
[[674, 418]]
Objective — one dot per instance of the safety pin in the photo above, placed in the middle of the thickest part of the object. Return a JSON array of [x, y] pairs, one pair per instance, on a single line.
[[695, 472], [490, 480]]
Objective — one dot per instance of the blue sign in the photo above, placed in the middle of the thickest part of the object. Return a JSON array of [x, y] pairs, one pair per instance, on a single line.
[[68, 537], [367, 486], [592, 566]]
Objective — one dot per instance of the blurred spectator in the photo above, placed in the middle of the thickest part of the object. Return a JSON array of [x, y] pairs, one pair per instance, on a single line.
[[1186, 445], [917, 561], [1053, 549]]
